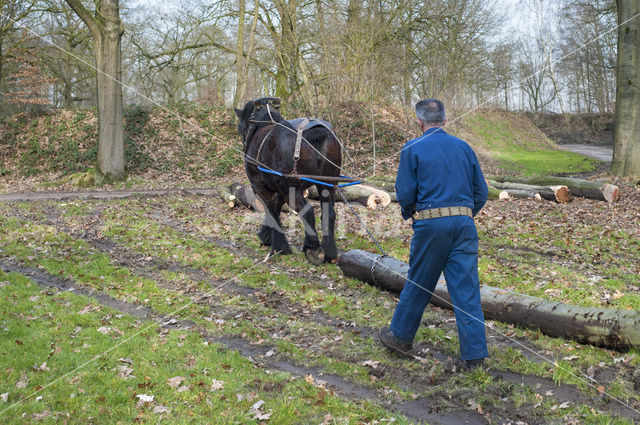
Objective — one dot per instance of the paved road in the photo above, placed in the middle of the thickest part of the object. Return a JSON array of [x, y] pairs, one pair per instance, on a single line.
[[603, 153]]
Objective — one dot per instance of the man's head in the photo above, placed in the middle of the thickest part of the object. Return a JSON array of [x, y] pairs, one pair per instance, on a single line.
[[430, 113]]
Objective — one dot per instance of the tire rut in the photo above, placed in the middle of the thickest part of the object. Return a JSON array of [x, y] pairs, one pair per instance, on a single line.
[[146, 266]]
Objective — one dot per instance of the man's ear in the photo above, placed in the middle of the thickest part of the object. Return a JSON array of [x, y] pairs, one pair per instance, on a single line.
[[446, 120], [420, 124]]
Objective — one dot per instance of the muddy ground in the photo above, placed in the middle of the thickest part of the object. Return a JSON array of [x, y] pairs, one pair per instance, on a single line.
[[440, 407]]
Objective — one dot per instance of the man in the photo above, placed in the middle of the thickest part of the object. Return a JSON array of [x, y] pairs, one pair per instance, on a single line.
[[441, 187]]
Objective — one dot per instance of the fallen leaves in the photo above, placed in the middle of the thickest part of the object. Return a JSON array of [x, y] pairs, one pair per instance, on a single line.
[[258, 414], [23, 382], [175, 381], [144, 399], [216, 385], [42, 368]]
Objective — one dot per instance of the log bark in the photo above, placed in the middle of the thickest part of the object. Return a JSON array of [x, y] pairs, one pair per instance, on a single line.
[[387, 185], [106, 29], [369, 196], [244, 194], [612, 328], [578, 187], [559, 193], [497, 194], [226, 196], [523, 194]]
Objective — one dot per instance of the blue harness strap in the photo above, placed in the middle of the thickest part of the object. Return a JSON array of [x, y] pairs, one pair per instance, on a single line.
[[278, 173]]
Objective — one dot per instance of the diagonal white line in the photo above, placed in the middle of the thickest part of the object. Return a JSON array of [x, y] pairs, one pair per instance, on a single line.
[[124, 341], [364, 172]]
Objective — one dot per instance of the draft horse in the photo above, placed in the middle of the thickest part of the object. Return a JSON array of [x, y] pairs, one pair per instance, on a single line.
[[271, 143]]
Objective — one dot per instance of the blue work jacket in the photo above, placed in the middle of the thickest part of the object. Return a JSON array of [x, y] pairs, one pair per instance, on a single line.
[[439, 170]]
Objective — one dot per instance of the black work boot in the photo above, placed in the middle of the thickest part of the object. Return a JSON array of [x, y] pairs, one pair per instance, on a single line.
[[473, 364], [389, 340]]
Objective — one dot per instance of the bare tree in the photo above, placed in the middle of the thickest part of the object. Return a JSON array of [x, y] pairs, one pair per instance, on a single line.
[[106, 29], [12, 13]]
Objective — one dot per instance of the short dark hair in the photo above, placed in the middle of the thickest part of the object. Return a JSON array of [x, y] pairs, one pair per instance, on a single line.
[[430, 111]]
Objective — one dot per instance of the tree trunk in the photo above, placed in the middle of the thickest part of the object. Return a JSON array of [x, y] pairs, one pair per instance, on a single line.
[[497, 194], [366, 195], [559, 193], [244, 195], [106, 30], [226, 196], [110, 114], [612, 328], [626, 148], [578, 187]]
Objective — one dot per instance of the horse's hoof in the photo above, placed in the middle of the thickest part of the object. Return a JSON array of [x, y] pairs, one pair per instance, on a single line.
[[315, 256]]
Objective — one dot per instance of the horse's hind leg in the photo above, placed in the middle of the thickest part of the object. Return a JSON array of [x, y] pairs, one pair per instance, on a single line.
[[327, 200], [311, 246], [271, 231], [264, 234]]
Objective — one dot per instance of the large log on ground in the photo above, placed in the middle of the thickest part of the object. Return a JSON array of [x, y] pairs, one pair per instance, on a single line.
[[226, 196], [619, 329], [244, 194], [497, 194], [578, 187], [559, 193], [384, 184], [523, 194], [369, 196]]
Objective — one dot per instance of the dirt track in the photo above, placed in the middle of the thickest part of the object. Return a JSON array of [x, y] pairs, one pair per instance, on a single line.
[[601, 152]]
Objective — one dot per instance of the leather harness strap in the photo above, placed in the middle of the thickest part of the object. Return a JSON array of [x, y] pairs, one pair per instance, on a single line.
[[296, 151]]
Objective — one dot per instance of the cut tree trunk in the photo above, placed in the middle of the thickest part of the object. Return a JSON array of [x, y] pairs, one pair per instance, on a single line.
[[369, 196], [619, 329], [244, 195], [387, 185], [226, 196], [497, 194], [523, 194], [559, 193], [577, 187]]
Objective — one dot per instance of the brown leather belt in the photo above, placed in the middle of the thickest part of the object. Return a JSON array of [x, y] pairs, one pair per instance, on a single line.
[[442, 212]]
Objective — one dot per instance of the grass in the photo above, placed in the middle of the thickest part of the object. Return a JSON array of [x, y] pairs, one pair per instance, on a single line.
[[189, 379], [182, 247], [518, 145], [141, 227]]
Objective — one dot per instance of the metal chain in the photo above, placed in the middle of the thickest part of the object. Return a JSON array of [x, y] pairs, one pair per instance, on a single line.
[[373, 238], [373, 268]]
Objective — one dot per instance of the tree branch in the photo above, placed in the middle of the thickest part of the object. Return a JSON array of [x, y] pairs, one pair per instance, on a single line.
[[86, 17]]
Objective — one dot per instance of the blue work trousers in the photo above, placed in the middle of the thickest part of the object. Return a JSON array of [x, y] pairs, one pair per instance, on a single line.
[[448, 244]]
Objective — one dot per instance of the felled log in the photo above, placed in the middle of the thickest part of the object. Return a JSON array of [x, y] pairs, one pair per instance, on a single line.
[[559, 193], [612, 328], [384, 184], [578, 187], [497, 194], [226, 196], [244, 194], [366, 195], [523, 194]]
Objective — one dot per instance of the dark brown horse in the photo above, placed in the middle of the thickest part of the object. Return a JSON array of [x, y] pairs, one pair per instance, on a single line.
[[270, 142]]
